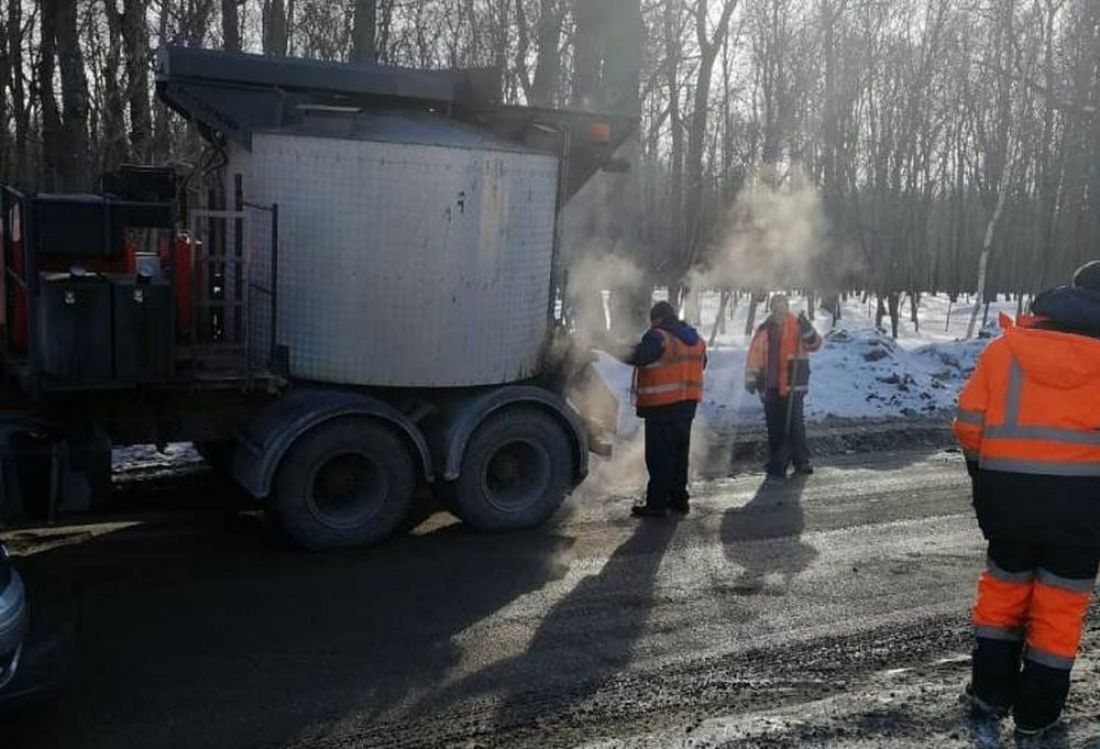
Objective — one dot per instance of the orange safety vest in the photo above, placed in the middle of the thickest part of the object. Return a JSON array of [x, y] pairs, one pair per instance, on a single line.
[[677, 376], [792, 355], [1032, 405]]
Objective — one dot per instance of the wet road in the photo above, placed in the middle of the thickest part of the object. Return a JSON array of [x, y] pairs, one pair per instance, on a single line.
[[201, 630]]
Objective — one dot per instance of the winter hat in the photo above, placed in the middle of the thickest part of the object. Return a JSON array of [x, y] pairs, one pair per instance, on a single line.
[[1088, 276], [662, 312]]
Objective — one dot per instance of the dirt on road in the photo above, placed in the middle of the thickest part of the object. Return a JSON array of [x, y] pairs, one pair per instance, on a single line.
[[827, 612]]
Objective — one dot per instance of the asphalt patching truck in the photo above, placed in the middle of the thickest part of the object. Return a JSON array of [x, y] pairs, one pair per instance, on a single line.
[[352, 300]]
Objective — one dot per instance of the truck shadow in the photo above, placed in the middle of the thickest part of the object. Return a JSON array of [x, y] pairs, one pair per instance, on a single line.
[[217, 635], [764, 537]]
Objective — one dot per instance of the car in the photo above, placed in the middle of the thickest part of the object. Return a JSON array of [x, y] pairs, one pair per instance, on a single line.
[[36, 639], [14, 618]]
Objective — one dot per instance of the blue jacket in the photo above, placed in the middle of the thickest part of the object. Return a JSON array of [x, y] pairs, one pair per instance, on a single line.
[[649, 351]]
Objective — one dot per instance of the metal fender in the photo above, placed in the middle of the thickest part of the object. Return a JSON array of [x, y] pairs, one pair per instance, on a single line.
[[263, 443], [466, 415]]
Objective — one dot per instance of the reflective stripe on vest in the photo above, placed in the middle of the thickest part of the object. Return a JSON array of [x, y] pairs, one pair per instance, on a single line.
[[677, 376], [1036, 449]]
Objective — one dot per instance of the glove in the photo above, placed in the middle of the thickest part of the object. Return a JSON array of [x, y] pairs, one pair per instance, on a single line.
[[804, 325]]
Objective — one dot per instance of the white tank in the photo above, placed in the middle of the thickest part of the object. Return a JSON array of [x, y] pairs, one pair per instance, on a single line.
[[414, 252]]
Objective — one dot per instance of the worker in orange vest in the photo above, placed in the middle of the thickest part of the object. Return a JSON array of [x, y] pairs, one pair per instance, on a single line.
[[1029, 426], [668, 385], [778, 370]]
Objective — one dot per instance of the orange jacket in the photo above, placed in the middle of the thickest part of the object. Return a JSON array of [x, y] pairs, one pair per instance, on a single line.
[[677, 376], [1032, 405], [793, 355]]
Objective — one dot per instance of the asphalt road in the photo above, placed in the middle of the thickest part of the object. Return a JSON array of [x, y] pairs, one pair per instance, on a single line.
[[198, 629]]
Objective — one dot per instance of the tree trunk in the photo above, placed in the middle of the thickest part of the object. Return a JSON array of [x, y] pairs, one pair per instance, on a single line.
[[231, 25], [51, 115], [114, 110], [162, 139], [275, 38], [586, 53], [547, 80], [987, 246], [914, 305], [720, 320], [135, 36], [894, 300], [75, 100], [709, 49], [19, 103], [754, 301], [363, 33]]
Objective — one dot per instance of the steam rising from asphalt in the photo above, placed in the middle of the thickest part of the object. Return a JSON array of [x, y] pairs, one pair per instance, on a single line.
[[775, 235], [589, 279]]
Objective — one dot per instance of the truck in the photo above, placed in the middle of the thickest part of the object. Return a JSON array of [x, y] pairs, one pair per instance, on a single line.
[[352, 302]]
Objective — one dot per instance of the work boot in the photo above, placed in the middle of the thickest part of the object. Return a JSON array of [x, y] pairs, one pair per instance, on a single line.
[[645, 511], [1040, 698], [1032, 735], [980, 708], [806, 470], [682, 507], [775, 479]]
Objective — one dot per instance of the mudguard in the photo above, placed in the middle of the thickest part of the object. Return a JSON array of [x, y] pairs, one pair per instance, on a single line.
[[463, 416], [263, 443]]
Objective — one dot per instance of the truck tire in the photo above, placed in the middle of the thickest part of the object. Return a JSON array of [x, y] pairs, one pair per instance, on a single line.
[[516, 471], [348, 482]]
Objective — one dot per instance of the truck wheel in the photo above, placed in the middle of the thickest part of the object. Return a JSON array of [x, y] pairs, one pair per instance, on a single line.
[[346, 483], [516, 471]]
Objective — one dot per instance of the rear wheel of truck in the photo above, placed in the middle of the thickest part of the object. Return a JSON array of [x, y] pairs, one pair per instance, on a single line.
[[516, 471], [346, 483]]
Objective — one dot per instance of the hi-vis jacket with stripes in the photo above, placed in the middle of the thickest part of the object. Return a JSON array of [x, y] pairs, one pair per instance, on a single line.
[[1029, 425], [677, 376]]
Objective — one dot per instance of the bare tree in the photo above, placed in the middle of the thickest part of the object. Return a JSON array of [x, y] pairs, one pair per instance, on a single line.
[[135, 34], [363, 33]]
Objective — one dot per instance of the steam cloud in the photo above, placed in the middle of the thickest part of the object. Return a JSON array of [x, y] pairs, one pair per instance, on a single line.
[[776, 234]]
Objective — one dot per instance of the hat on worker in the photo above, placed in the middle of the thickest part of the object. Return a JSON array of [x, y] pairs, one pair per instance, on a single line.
[[661, 312], [1088, 276]]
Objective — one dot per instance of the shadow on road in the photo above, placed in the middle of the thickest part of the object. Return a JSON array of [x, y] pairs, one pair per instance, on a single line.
[[585, 639], [765, 536], [218, 636]]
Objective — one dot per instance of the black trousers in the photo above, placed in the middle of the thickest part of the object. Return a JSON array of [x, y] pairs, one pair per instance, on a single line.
[[667, 449], [786, 432], [1001, 674]]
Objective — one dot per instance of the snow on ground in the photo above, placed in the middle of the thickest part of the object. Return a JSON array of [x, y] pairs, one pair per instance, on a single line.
[[860, 372], [147, 457]]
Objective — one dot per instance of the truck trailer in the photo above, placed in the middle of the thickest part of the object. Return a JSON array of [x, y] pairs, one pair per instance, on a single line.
[[353, 300]]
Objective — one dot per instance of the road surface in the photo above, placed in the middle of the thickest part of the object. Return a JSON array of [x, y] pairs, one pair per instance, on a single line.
[[827, 612]]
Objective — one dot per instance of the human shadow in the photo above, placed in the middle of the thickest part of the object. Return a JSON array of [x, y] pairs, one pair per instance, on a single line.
[[209, 632], [764, 537], [585, 639]]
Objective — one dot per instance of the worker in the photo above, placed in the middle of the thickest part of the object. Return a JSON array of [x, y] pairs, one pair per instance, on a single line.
[[668, 385], [1027, 424], [778, 370]]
